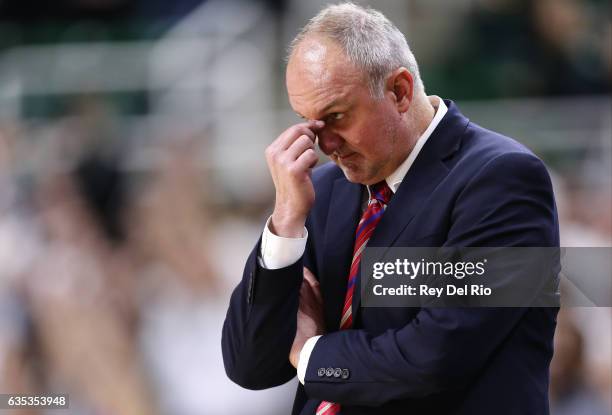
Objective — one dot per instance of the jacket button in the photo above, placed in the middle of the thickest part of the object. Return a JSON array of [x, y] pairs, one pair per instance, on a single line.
[[337, 372], [329, 372], [345, 373], [321, 372]]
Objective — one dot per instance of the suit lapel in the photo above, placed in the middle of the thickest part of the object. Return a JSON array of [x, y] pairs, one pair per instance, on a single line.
[[421, 180], [418, 184], [410, 197], [342, 218]]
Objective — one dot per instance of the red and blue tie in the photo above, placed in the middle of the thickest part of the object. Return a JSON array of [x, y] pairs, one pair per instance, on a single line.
[[380, 195]]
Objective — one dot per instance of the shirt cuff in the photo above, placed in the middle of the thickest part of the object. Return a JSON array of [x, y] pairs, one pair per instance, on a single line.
[[279, 252], [305, 357]]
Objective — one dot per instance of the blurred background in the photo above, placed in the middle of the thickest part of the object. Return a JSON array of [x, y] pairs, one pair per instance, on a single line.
[[133, 183]]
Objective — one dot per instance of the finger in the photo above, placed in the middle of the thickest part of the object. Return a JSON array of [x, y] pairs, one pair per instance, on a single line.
[[287, 137], [310, 277], [317, 293], [312, 281], [317, 125], [309, 304], [300, 145], [307, 299], [303, 296], [303, 289], [292, 133], [307, 160]]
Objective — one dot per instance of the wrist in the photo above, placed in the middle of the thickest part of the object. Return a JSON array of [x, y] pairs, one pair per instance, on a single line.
[[287, 226]]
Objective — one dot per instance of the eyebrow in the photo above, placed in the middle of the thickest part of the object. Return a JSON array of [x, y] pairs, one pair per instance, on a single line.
[[330, 105], [325, 109]]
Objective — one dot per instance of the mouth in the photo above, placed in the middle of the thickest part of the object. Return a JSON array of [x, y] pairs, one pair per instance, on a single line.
[[346, 156]]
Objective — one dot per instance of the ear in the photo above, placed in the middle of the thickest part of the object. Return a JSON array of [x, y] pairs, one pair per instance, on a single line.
[[401, 86]]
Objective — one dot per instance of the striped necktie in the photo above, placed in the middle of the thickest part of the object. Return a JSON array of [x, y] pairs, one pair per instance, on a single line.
[[380, 195]]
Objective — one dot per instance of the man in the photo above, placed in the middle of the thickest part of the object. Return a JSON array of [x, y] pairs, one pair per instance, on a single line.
[[417, 173]]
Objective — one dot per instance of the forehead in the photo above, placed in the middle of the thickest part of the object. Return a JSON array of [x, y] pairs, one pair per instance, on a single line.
[[319, 73]]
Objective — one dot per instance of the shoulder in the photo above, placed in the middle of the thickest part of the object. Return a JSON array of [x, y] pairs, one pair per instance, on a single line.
[[487, 151], [487, 145], [505, 196], [467, 147]]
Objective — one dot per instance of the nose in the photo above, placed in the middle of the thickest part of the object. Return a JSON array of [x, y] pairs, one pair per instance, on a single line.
[[329, 141]]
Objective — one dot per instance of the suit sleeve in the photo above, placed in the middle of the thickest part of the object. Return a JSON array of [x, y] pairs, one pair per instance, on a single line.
[[260, 324], [509, 202]]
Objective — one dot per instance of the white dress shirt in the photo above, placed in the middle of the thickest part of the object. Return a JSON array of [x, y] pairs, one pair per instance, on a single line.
[[279, 252]]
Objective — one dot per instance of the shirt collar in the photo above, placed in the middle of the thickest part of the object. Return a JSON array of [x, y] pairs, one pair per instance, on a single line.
[[395, 179]]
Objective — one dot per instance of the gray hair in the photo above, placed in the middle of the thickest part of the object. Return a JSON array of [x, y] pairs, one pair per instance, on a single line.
[[369, 39]]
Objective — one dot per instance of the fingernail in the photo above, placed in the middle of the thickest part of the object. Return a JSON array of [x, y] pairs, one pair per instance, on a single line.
[[319, 123]]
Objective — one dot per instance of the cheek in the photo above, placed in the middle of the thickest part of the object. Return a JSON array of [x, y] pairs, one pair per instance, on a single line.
[[361, 136], [371, 133], [372, 140]]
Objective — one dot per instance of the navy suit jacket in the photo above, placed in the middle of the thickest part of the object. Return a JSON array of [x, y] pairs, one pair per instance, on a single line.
[[468, 187]]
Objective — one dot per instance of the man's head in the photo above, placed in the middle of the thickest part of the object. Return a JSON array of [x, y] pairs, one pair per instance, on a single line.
[[352, 68]]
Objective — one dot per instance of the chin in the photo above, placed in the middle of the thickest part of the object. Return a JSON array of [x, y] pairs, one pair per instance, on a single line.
[[354, 174]]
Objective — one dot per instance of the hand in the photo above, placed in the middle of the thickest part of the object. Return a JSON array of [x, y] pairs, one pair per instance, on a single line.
[[310, 321], [291, 158]]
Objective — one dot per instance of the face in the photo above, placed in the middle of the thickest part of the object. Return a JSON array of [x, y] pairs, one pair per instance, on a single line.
[[364, 136]]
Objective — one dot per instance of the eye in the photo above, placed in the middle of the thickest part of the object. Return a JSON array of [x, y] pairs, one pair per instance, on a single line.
[[335, 116]]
